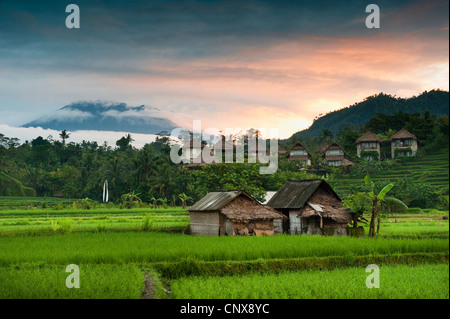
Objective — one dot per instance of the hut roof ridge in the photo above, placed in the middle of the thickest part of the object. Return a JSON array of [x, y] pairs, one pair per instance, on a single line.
[[295, 193], [368, 137], [403, 133]]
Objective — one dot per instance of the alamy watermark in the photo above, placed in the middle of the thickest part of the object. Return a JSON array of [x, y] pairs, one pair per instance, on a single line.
[[373, 280], [73, 19], [225, 148], [73, 279], [373, 19]]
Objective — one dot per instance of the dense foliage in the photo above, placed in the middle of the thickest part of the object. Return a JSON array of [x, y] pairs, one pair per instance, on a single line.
[[436, 101], [52, 167]]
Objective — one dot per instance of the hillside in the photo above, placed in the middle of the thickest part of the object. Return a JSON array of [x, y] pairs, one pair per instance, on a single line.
[[435, 101], [432, 170], [11, 187]]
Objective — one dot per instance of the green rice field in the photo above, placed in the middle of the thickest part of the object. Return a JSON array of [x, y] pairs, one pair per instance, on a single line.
[[396, 282], [122, 252], [432, 170]]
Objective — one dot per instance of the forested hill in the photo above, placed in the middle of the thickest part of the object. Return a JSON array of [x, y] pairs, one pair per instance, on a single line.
[[436, 101]]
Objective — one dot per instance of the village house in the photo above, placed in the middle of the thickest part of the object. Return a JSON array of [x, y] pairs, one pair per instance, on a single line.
[[334, 155], [282, 151], [312, 207], [299, 152], [403, 143], [367, 145], [233, 213]]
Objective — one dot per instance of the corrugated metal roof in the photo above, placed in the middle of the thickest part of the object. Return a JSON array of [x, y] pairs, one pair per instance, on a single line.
[[269, 195], [214, 201], [294, 193], [316, 207]]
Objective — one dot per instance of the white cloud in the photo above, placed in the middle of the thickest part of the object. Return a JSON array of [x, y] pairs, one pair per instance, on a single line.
[[30, 133]]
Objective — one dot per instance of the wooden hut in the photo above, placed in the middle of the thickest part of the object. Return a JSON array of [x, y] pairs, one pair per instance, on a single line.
[[312, 207], [299, 153], [367, 144], [334, 155], [233, 213], [403, 143], [282, 151]]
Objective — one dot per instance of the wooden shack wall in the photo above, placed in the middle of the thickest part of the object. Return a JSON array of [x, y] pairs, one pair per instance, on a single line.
[[254, 227], [278, 226], [204, 223], [322, 197], [295, 223]]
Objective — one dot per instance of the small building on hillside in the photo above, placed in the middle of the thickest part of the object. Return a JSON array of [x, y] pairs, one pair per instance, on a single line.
[[233, 213], [299, 152], [312, 207], [282, 151], [403, 143], [368, 146], [334, 155]]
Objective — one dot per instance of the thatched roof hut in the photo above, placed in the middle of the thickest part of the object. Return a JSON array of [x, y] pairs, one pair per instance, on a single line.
[[335, 155], [368, 137], [402, 134], [232, 213], [299, 152], [403, 143], [312, 206]]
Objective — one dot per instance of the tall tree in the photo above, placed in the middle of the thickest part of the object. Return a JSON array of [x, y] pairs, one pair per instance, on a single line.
[[64, 136]]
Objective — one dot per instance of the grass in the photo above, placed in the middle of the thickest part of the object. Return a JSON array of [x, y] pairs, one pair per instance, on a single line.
[[396, 282], [115, 248], [31, 281], [151, 247], [39, 221]]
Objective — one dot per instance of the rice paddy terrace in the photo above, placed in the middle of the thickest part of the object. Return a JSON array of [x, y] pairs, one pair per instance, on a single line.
[[432, 170]]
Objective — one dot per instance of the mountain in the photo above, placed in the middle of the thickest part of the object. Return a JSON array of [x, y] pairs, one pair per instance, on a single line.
[[105, 116], [358, 114]]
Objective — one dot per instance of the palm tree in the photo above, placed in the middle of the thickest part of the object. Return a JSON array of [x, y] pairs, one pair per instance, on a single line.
[[164, 179], [64, 136]]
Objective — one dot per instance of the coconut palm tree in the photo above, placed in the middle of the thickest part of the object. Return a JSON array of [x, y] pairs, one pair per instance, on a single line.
[[64, 136]]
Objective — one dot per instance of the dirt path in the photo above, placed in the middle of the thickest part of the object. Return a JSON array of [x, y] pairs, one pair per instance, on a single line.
[[148, 292]]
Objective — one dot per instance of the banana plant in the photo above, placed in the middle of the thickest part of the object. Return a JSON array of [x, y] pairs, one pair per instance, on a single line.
[[377, 202], [184, 198], [130, 199]]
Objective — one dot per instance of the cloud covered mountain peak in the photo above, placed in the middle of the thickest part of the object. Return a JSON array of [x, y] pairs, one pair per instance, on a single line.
[[106, 116]]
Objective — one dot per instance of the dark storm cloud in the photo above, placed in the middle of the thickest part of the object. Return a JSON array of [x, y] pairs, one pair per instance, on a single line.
[[33, 33], [275, 63]]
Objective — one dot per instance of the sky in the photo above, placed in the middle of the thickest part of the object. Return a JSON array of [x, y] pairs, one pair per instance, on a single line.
[[230, 64]]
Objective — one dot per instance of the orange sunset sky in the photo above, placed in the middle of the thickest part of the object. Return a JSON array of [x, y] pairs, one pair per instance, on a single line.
[[258, 64]]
